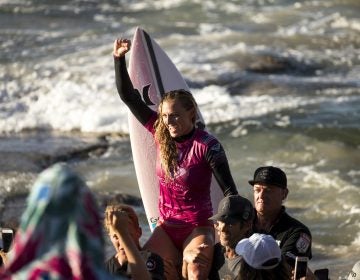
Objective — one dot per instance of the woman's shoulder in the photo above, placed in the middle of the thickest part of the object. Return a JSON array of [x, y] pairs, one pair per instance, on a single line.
[[205, 138]]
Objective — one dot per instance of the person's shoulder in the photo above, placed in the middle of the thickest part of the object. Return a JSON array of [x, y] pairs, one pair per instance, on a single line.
[[295, 237], [219, 248], [203, 137], [295, 224], [235, 263], [219, 258], [151, 121], [113, 267], [110, 260]]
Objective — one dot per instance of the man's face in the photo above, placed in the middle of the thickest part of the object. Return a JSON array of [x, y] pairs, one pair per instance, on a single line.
[[115, 240], [268, 199], [230, 234]]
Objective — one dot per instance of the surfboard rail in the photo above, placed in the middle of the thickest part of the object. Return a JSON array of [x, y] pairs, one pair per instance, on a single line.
[[153, 74]]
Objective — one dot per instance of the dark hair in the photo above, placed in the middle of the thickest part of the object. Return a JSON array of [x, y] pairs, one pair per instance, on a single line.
[[280, 272]]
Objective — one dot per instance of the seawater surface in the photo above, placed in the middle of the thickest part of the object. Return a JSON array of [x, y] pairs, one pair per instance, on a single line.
[[277, 81]]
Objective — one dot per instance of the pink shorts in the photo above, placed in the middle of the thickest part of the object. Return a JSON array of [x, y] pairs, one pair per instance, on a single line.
[[179, 233]]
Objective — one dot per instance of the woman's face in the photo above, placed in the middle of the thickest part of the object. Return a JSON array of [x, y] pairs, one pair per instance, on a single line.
[[177, 119]]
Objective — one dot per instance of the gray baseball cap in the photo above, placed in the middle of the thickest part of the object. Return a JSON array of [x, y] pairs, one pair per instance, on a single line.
[[234, 208]]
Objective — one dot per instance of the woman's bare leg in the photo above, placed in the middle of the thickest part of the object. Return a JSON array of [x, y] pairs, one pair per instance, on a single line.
[[201, 240]]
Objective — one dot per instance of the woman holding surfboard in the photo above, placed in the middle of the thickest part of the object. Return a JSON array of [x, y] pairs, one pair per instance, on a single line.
[[187, 157]]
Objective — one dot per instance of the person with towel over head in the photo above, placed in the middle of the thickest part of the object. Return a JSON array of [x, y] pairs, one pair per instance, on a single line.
[[60, 233]]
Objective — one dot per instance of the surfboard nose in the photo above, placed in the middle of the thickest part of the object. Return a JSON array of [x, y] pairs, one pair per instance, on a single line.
[[138, 32]]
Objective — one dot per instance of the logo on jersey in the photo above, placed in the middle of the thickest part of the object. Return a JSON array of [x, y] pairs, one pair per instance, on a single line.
[[150, 264], [303, 243], [207, 138], [216, 148]]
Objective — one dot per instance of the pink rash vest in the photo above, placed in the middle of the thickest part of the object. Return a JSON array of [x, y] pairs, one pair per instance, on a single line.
[[186, 198]]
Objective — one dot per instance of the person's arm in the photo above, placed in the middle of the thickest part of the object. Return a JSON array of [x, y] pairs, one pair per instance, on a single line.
[[196, 256], [3, 258], [125, 88], [156, 265], [296, 243], [119, 220], [217, 159]]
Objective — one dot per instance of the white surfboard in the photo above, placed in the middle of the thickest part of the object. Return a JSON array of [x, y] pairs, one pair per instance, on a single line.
[[153, 74]]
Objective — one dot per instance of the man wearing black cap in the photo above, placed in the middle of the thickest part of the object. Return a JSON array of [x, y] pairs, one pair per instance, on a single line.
[[270, 190], [233, 222]]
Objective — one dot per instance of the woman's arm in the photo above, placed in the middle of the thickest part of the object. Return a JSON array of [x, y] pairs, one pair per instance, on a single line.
[[125, 88], [217, 159]]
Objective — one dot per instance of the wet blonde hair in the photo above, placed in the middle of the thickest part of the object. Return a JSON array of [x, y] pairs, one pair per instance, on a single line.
[[168, 150]]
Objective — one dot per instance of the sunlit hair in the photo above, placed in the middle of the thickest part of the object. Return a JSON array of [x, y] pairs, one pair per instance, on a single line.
[[168, 150], [121, 207]]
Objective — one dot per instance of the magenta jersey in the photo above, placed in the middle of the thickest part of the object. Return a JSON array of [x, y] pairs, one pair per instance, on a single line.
[[185, 198]]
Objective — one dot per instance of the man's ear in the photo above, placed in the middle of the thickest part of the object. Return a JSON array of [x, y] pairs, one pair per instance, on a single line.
[[285, 193]]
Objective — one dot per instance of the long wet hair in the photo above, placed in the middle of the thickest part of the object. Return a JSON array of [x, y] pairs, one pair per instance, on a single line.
[[168, 149]]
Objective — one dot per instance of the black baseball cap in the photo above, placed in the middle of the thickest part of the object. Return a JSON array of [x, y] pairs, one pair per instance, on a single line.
[[270, 175], [234, 208]]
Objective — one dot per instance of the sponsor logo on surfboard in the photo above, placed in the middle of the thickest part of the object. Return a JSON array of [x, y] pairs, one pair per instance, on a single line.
[[145, 94], [153, 222]]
